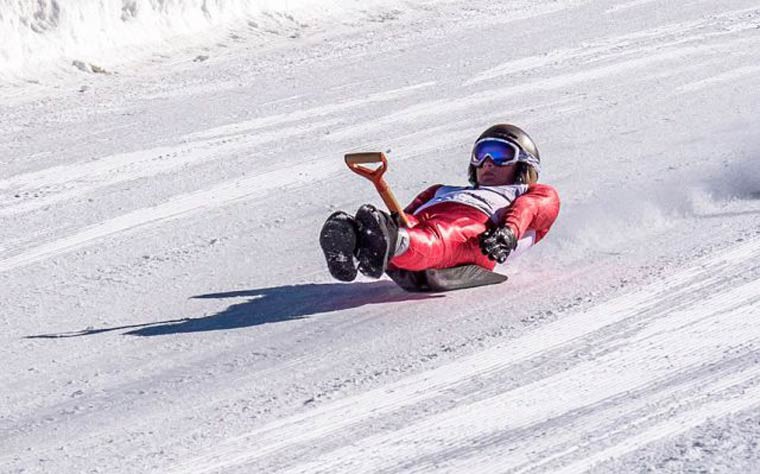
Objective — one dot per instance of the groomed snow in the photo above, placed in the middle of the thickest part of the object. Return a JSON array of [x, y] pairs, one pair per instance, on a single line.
[[167, 307]]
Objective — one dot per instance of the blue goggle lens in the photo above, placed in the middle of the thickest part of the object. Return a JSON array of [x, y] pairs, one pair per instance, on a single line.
[[500, 152]]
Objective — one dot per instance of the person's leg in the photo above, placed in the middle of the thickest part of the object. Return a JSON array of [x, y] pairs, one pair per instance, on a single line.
[[445, 238]]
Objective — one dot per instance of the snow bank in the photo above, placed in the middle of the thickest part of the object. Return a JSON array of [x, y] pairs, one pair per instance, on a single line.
[[36, 33]]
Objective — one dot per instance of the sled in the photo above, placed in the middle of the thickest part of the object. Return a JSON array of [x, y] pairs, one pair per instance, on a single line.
[[445, 279], [433, 280]]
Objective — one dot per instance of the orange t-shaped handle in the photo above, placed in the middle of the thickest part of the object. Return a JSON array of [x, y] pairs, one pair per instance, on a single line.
[[357, 163]]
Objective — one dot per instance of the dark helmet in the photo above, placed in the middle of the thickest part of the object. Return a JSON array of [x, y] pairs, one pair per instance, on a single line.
[[527, 173]]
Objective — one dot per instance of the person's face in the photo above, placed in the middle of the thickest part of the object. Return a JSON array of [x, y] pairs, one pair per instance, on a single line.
[[491, 175]]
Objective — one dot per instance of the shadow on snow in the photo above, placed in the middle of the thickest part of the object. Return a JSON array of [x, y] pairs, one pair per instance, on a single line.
[[266, 305]]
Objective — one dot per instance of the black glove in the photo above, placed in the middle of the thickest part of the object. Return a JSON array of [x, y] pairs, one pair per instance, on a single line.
[[497, 243]]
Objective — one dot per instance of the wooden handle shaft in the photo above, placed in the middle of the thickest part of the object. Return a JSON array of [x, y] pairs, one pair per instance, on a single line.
[[354, 162]]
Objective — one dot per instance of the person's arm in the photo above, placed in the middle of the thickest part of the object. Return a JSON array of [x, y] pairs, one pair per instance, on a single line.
[[422, 198], [535, 210]]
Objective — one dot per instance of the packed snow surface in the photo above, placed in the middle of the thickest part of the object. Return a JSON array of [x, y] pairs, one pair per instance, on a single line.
[[167, 166]]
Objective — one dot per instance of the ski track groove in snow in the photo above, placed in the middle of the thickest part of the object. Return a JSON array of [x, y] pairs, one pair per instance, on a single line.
[[63, 182], [627, 5], [731, 75], [60, 183], [665, 360], [640, 43], [177, 207], [643, 57]]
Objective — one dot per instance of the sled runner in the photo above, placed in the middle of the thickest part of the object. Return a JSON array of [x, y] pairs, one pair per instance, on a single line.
[[432, 280]]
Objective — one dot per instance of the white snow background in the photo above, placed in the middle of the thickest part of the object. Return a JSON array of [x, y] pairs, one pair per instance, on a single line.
[[166, 167], [38, 34]]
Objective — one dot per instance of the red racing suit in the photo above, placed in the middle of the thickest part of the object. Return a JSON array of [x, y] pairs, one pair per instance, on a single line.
[[446, 234]]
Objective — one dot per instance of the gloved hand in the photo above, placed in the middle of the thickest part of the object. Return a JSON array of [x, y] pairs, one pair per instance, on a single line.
[[497, 243]]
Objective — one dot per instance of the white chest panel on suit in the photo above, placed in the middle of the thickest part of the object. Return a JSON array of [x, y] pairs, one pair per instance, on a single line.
[[490, 199]]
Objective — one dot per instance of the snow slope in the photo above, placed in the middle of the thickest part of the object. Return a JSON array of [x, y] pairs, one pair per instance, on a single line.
[[668, 362], [166, 304]]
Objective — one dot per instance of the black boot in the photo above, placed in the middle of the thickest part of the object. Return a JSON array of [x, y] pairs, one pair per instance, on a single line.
[[378, 233], [338, 241]]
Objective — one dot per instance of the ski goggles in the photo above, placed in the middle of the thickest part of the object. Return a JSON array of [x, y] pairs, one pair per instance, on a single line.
[[501, 152]]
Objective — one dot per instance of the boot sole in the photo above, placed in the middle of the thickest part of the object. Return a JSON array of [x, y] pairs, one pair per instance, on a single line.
[[338, 242], [373, 244]]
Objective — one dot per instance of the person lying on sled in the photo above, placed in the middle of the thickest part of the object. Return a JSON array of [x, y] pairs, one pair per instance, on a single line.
[[503, 210]]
